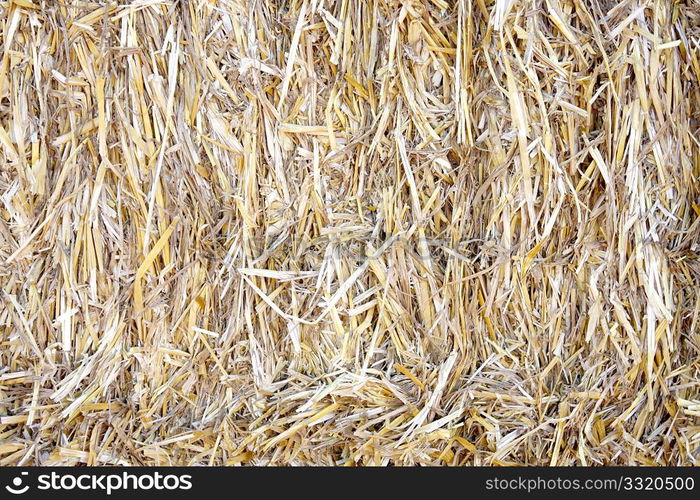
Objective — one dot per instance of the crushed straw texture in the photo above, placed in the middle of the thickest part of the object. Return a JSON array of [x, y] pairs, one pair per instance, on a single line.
[[349, 232]]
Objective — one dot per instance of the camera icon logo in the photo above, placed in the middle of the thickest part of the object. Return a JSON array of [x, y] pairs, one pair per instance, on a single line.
[[16, 488]]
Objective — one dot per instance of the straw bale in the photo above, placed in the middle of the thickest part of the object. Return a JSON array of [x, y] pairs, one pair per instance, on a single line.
[[349, 232]]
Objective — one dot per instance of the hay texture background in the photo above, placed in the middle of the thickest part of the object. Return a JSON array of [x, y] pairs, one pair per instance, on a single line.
[[349, 232]]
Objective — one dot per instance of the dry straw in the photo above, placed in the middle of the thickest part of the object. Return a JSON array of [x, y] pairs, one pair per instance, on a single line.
[[349, 232]]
